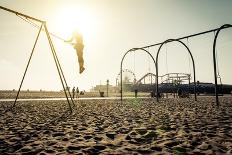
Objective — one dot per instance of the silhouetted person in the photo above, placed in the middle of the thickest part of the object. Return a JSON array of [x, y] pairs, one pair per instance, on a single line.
[[180, 92], [77, 42], [73, 92], [136, 93], [77, 91]]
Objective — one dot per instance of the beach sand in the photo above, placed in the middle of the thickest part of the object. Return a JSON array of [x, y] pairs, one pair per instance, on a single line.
[[137, 126]]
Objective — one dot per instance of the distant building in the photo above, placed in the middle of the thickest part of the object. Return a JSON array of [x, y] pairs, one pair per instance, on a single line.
[[111, 89]]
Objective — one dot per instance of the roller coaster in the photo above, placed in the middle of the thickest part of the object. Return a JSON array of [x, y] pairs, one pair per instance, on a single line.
[[175, 83]]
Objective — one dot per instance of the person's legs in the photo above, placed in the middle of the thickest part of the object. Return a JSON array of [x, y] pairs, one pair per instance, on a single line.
[[81, 63], [80, 60], [73, 94]]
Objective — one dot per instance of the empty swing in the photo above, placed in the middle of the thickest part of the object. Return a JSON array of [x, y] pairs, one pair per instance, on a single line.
[[218, 72]]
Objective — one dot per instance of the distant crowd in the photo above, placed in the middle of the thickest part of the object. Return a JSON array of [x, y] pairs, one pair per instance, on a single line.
[[76, 92]]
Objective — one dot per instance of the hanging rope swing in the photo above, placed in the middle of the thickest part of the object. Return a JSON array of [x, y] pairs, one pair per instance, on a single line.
[[37, 26], [189, 58], [218, 72], [190, 73], [149, 65], [166, 58]]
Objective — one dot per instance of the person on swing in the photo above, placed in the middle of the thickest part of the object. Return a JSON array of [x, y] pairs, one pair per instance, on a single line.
[[77, 41]]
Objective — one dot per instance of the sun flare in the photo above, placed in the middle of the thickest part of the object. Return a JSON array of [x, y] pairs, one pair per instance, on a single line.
[[72, 19]]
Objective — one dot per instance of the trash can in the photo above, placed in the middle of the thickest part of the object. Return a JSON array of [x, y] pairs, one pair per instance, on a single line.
[[152, 94], [101, 93]]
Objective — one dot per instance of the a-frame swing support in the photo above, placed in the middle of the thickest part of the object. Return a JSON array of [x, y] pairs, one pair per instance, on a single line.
[[58, 66]]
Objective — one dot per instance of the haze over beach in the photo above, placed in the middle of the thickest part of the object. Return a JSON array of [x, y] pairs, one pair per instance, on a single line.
[[109, 29], [166, 107]]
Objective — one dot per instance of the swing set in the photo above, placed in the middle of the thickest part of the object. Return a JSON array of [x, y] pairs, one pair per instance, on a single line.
[[215, 62], [44, 28]]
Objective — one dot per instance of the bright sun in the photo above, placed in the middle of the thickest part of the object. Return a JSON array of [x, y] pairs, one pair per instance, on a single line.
[[72, 19]]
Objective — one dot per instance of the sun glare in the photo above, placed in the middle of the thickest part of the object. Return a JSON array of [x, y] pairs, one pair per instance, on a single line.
[[72, 19]]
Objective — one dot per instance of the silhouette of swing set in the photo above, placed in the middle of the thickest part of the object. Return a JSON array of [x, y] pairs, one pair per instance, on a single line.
[[155, 60], [56, 60]]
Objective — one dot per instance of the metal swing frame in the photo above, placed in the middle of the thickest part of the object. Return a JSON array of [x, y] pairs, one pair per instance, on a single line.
[[43, 27], [121, 70], [193, 65], [217, 30]]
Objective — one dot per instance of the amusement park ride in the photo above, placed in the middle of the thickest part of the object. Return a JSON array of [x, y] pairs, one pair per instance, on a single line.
[[170, 83]]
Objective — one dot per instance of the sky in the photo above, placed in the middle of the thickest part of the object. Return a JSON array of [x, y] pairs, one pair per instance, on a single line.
[[109, 29]]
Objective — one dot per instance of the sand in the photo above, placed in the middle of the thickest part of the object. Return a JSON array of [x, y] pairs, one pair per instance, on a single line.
[[138, 126]]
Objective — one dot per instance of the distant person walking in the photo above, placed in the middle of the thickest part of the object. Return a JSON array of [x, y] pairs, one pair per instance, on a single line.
[[73, 92], [77, 91], [77, 42]]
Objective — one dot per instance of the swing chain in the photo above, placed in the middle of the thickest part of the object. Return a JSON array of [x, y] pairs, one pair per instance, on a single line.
[[216, 53]]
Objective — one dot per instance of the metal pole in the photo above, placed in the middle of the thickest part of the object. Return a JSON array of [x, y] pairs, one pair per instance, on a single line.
[[56, 62], [121, 76], [32, 18], [64, 78], [157, 81], [107, 87], [157, 72], [215, 72], [61, 71], [21, 14], [28, 63], [214, 60], [185, 37], [189, 85]]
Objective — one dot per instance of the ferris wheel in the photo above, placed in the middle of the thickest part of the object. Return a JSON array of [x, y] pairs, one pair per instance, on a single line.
[[128, 77]]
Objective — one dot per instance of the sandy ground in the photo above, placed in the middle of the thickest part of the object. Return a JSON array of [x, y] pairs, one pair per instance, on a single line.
[[138, 126], [7, 94]]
